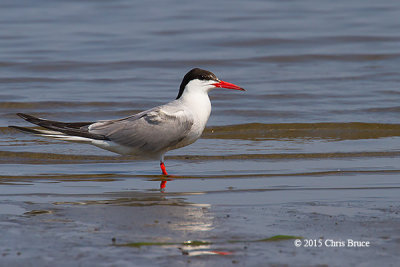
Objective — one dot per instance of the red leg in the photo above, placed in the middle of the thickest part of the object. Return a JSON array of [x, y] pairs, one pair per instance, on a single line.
[[162, 166]]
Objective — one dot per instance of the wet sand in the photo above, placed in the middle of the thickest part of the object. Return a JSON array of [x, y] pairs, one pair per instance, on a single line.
[[142, 228]]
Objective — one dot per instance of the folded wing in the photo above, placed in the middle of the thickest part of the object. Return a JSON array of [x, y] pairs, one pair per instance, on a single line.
[[154, 130]]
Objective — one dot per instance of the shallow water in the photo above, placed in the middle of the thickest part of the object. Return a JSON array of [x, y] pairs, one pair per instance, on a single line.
[[310, 149]]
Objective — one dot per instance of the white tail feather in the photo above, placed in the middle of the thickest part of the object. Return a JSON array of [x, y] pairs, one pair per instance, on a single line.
[[69, 138]]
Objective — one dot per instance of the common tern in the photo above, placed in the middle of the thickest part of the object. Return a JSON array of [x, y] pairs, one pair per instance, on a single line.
[[148, 134]]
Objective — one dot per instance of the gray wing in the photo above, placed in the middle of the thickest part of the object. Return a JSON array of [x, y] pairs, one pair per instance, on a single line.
[[152, 130]]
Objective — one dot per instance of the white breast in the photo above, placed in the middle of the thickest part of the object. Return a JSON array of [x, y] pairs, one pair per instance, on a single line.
[[199, 105]]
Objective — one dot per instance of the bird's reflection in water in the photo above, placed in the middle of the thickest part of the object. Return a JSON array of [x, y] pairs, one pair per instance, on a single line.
[[150, 206], [163, 183], [147, 216]]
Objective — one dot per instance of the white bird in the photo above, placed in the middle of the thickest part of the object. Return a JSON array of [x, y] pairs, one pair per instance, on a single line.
[[148, 134]]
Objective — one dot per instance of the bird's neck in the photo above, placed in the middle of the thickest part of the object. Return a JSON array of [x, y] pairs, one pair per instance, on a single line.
[[200, 105]]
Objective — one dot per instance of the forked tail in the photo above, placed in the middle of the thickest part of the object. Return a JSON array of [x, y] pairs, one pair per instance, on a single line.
[[68, 131]]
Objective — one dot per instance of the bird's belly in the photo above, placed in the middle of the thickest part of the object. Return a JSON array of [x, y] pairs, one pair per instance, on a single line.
[[126, 150]]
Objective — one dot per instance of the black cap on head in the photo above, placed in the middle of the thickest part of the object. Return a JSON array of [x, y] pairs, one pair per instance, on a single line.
[[196, 73]]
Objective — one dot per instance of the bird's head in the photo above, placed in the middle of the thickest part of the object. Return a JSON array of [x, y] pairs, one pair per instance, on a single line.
[[198, 80]]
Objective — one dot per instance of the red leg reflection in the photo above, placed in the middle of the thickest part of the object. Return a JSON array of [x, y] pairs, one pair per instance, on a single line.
[[162, 185]]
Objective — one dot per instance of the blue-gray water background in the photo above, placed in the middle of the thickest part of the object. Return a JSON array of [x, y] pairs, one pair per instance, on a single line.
[[310, 149]]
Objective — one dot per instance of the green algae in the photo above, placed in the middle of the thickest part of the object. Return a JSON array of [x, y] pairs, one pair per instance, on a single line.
[[278, 238], [38, 212], [195, 243]]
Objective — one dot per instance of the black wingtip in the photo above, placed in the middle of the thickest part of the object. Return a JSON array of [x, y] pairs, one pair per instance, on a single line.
[[22, 115], [32, 119], [25, 116], [68, 128]]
